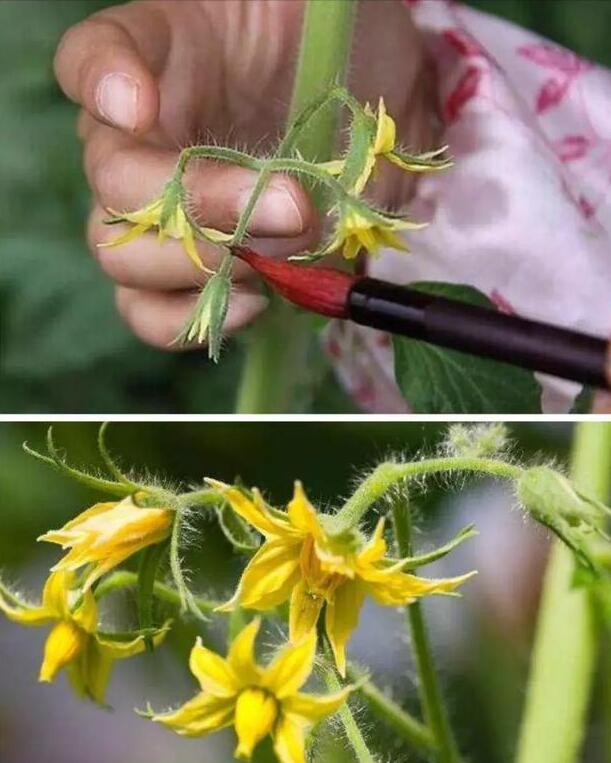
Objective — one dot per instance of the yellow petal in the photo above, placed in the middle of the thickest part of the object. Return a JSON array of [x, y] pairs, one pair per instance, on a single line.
[[241, 657], [63, 536], [302, 514], [121, 650], [214, 673], [303, 612], [217, 236], [86, 616], [64, 644], [255, 714], [375, 549], [24, 614], [201, 715], [352, 247], [190, 248], [128, 236], [291, 668], [288, 741], [90, 672], [386, 133], [312, 708], [55, 593], [270, 575], [342, 617], [396, 588], [253, 511], [108, 534], [363, 178]]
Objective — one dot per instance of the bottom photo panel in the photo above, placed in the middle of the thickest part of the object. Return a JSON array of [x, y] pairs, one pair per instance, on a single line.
[[330, 592]]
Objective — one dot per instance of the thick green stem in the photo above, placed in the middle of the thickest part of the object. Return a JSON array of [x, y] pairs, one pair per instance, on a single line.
[[390, 473], [430, 690], [277, 352], [565, 647], [351, 729]]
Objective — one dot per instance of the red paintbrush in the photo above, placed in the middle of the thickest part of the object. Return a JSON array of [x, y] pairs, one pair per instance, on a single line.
[[435, 319]]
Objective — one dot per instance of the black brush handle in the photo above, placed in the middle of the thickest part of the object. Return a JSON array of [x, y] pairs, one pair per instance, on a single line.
[[479, 331]]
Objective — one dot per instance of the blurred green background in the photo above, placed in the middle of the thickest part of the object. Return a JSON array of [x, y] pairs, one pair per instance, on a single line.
[[482, 640], [62, 347]]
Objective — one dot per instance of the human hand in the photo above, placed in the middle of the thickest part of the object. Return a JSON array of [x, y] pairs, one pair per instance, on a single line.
[[156, 75]]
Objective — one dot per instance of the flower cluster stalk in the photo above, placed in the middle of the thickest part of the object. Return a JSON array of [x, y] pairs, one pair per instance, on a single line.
[[351, 729], [390, 473], [430, 690], [274, 367], [408, 727], [566, 642]]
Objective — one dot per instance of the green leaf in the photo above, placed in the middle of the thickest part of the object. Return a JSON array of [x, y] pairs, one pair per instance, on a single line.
[[437, 380], [235, 529]]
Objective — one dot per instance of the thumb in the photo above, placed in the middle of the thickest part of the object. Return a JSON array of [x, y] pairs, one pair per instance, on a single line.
[[100, 65]]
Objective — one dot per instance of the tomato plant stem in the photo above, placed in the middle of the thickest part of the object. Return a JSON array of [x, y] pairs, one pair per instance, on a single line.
[[430, 691], [565, 647], [277, 351]]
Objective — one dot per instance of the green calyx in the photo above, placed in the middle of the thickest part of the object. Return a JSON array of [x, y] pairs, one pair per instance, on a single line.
[[555, 502]]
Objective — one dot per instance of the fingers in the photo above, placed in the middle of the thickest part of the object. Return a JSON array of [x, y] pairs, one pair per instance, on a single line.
[[148, 264], [126, 174], [108, 63], [158, 317]]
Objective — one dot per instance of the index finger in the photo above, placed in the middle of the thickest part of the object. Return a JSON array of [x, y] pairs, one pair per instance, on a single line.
[[108, 64]]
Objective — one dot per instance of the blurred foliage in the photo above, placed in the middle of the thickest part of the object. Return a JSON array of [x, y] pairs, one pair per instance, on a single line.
[[62, 347]]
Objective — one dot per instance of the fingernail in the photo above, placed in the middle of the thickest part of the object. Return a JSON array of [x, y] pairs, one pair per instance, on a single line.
[[117, 100], [276, 213]]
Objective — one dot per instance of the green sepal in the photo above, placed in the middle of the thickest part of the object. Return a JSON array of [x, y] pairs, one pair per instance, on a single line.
[[574, 517], [362, 139], [58, 461], [208, 317], [124, 637], [147, 574], [236, 530], [412, 562], [172, 196]]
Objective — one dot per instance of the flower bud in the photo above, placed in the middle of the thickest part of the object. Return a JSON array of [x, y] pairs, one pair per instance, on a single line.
[[554, 501]]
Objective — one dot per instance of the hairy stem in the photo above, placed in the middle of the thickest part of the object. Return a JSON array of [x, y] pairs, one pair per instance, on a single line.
[[187, 599], [351, 729], [277, 352], [388, 474], [430, 690], [408, 727], [126, 579], [565, 648]]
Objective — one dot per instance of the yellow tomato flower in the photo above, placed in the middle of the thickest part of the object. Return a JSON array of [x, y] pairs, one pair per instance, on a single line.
[[385, 145], [301, 561], [177, 226], [256, 701], [107, 534], [74, 641], [356, 231]]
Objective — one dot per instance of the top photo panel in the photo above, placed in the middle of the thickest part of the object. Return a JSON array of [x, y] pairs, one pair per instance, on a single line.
[[305, 206]]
